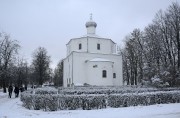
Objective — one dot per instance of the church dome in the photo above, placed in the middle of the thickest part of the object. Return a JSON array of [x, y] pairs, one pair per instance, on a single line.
[[91, 23]]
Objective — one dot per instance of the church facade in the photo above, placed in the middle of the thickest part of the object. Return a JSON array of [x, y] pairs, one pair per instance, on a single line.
[[92, 60]]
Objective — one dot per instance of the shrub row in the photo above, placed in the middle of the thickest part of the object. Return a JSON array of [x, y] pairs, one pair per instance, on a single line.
[[85, 102], [46, 102], [109, 90], [46, 90], [149, 98], [53, 102]]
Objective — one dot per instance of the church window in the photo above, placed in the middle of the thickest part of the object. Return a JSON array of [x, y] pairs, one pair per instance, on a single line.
[[114, 75], [98, 46], [69, 80], [80, 46], [95, 66], [104, 73]]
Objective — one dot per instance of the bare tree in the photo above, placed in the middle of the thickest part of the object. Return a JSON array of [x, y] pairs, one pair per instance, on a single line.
[[155, 52], [173, 14], [20, 73], [40, 65], [133, 58], [8, 51]]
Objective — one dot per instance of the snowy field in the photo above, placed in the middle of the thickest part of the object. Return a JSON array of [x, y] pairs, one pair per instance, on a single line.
[[12, 108]]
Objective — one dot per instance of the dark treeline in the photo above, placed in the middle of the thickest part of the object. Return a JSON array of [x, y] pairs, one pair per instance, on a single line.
[[17, 72], [152, 56]]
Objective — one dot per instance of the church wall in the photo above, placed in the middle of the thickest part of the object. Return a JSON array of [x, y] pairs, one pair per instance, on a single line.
[[74, 45], [81, 67], [89, 44], [118, 70], [95, 73], [67, 71], [106, 46]]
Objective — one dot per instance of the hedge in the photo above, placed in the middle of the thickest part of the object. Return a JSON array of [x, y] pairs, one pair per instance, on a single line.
[[37, 101], [54, 102], [109, 90], [149, 98], [46, 90]]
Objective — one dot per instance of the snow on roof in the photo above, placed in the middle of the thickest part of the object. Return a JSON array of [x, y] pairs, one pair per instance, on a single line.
[[100, 59], [91, 35], [78, 84]]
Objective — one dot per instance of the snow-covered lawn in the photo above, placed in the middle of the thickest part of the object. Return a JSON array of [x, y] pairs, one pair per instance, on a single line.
[[12, 108]]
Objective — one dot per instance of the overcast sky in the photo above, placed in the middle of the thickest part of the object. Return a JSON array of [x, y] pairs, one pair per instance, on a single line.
[[52, 23]]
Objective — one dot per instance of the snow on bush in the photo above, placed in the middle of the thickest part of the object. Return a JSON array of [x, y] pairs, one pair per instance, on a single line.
[[103, 90], [109, 90], [149, 98], [53, 102], [27, 99], [46, 90], [85, 102], [97, 97], [47, 102]]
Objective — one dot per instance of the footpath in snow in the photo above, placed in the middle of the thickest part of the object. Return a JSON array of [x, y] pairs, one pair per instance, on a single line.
[[12, 108]]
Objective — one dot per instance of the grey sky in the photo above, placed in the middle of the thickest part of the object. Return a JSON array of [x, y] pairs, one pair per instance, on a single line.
[[52, 23]]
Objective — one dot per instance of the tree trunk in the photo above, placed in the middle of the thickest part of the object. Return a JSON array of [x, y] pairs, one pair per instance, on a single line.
[[4, 85]]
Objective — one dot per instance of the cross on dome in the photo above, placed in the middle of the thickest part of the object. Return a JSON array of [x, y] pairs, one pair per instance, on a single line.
[[91, 23], [91, 16]]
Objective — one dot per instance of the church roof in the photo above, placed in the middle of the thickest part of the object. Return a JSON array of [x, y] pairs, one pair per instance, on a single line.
[[91, 35]]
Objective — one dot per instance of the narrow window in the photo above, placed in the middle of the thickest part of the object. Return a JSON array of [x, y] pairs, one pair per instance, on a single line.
[[114, 75], [104, 74], [69, 80], [98, 46], [80, 46]]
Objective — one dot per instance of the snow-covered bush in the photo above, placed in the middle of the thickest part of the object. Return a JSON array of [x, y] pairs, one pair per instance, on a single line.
[[156, 81], [46, 90], [97, 98], [103, 90], [149, 98], [85, 102], [110, 90], [38, 102], [46, 102], [27, 99], [52, 102]]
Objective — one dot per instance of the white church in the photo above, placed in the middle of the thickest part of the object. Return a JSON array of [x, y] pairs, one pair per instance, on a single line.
[[92, 60]]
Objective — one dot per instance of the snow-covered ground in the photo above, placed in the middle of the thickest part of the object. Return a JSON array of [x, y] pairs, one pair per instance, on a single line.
[[12, 108]]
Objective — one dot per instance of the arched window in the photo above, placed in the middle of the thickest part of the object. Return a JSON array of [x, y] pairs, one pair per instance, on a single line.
[[104, 73], [80, 46], [98, 46], [114, 75]]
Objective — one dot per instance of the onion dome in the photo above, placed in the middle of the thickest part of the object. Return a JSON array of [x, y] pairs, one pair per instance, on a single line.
[[91, 23]]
